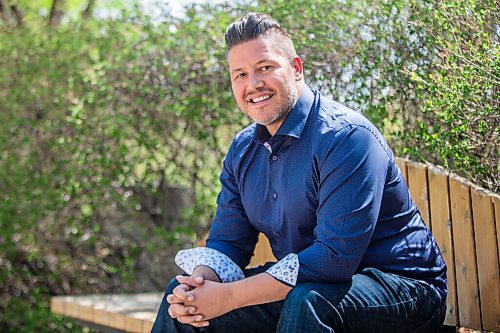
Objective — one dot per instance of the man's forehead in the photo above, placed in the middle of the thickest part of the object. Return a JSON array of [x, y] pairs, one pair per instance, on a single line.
[[251, 53]]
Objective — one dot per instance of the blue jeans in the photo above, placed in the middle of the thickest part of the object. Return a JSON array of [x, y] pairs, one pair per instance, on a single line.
[[372, 301]]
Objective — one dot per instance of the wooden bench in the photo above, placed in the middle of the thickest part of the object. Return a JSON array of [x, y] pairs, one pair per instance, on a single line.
[[464, 219]]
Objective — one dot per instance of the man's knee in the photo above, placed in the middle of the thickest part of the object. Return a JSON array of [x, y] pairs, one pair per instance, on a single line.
[[300, 296]]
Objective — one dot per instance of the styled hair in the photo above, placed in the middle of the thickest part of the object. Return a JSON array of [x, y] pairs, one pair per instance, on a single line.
[[255, 25]]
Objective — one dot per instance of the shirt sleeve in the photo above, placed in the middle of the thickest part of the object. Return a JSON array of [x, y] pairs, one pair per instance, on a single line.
[[286, 270], [223, 266], [231, 233], [352, 177]]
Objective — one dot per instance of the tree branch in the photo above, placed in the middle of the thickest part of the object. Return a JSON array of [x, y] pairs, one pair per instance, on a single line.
[[18, 16], [55, 13], [89, 10]]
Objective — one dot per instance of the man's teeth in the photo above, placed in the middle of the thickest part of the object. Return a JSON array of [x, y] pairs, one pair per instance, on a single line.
[[260, 99]]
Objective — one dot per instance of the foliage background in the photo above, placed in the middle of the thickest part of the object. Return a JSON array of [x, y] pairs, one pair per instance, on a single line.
[[105, 120]]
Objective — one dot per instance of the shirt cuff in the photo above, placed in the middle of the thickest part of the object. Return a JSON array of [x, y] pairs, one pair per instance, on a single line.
[[224, 267], [286, 270]]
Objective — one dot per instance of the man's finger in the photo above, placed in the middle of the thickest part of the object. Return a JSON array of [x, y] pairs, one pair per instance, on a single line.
[[187, 280], [190, 319], [181, 292], [171, 313], [200, 324], [180, 310], [172, 299]]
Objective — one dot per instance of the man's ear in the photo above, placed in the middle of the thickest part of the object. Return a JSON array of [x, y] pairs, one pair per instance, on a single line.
[[297, 68]]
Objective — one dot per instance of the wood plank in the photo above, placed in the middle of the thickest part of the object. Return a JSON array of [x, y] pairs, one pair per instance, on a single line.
[[496, 205], [487, 259], [100, 315], [439, 197], [147, 325], [262, 253], [86, 310], [401, 162], [465, 256], [203, 240], [137, 320], [57, 305], [72, 307], [417, 180], [116, 319], [133, 324]]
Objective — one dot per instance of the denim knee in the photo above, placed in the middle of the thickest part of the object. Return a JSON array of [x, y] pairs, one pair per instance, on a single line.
[[301, 295], [306, 310]]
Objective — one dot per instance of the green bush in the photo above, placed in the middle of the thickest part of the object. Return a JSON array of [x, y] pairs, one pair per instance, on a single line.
[[458, 126], [93, 112]]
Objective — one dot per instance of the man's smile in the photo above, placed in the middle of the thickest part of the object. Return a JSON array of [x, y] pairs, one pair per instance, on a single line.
[[260, 99]]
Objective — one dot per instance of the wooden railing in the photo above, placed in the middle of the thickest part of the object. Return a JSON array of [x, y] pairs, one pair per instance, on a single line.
[[465, 220]]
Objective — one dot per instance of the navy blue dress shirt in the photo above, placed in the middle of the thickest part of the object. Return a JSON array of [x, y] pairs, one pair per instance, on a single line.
[[325, 187]]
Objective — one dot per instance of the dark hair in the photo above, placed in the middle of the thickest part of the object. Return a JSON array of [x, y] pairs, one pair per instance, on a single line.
[[254, 25]]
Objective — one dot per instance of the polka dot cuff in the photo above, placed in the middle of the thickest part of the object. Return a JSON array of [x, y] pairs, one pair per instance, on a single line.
[[286, 270], [224, 267]]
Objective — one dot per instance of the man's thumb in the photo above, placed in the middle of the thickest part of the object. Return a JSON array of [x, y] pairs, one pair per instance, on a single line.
[[199, 278]]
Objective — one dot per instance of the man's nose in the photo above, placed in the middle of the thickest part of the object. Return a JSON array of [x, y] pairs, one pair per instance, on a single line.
[[255, 82]]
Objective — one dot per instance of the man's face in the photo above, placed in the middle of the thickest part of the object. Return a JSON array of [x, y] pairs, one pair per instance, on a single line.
[[265, 83]]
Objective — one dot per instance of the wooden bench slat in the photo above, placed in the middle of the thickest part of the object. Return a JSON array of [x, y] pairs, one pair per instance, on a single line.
[[442, 229], [57, 304], [263, 252], [147, 325], [465, 256], [496, 205], [401, 163], [487, 259], [129, 313], [417, 181]]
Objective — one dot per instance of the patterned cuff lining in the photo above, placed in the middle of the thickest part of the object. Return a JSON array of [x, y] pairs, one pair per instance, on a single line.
[[286, 270], [223, 266]]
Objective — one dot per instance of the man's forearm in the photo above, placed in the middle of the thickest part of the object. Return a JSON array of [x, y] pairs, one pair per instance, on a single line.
[[257, 289]]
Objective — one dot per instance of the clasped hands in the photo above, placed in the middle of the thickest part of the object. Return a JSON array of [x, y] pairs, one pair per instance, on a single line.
[[199, 298]]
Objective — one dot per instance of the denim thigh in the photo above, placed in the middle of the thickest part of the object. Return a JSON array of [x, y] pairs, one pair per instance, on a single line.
[[372, 301]]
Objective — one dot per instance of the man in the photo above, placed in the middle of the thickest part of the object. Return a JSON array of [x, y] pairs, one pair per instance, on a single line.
[[320, 182]]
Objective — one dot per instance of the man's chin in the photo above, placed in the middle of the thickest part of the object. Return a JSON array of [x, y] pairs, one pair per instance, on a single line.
[[272, 121]]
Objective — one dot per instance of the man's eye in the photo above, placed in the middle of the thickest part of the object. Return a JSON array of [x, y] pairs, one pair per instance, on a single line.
[[240, 75], [265, 68]]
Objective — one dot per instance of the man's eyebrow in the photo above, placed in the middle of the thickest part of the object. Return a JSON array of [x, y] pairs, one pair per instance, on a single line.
[[257, 63]]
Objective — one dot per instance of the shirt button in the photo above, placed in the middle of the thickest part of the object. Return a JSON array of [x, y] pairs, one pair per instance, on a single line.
[[274, 157], [275, 195]]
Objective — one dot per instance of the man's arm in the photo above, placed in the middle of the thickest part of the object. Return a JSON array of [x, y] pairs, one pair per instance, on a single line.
[[214, 299]]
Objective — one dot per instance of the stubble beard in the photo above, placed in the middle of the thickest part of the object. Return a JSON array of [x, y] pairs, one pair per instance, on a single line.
[[290, 98]]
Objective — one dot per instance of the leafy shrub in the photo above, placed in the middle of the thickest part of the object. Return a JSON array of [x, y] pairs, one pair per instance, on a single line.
[[93, 113]]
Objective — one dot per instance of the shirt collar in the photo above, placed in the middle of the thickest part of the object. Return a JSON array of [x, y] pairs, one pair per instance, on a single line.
[[294, 122]]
